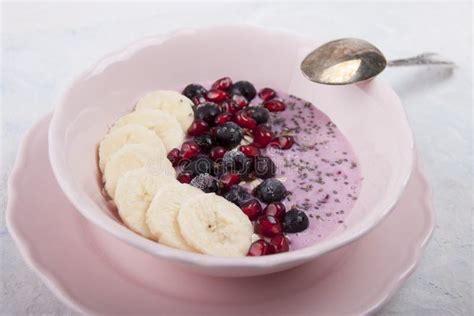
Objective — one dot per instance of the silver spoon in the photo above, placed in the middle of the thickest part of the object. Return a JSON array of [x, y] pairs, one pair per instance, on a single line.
[[351, 60]]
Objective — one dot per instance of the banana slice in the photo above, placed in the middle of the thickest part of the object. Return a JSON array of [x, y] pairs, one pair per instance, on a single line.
[[161, 216], [214, 226], [134, 156], [162, 123], [169, 101], [134, 193], [128, 134]]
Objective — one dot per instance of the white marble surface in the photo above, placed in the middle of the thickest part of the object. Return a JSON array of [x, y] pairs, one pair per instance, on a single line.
[[45, 45]]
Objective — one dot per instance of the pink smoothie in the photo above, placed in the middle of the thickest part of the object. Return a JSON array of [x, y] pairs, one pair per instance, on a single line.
[[320, 171]]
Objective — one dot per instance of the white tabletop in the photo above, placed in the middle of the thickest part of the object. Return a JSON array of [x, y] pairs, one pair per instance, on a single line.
[[45, 45]]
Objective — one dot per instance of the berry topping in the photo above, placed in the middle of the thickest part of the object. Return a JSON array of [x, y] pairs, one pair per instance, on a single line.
[[245, 120], [217, 153], [260, 248], [280, 244], [199, 100], [222, 84], [252, 209], [228, 180], [198, 127], [229, 134], [230, 106], [185, 177], [194, 90], [223, 118], [282, 142], [295, 221], [266, 94], [245, 89], [268, 226], [249, 150], [201, 164], [271, 190], [236, 161], [264, 167], [174, 156], [190, 150], [217, 96], [259, 114], [276, 209], [205, 182], [204, 142], [207, 112], [262, 136], [237, 195], [274, 105], [241, 101]]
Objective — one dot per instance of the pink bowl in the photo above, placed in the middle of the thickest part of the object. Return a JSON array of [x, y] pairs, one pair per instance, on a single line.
[[379, 133]]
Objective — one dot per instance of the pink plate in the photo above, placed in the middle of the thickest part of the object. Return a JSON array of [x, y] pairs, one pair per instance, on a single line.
[[73, 257]]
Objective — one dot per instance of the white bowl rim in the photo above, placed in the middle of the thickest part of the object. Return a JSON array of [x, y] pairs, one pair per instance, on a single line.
[[195, 259]]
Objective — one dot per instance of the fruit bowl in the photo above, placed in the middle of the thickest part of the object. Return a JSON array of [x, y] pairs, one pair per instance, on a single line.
[[379, 133]]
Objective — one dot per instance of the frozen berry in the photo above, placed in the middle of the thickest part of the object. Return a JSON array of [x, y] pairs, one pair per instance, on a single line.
[[276, 209], [245, 89], [268, 226], [260, 248], [262, 136], [249, 150], [252, 209], [280, 244], [216, 96], [201, 164], [243, 119], [207, 112], [174, 156], [190, 150], [194, 90], [264, 167], [271, 190], [266, 94], [236, 161], [241, 101], [229, 134], [282, 142], [237, 195], [222, 84], [295, 221], [205, 182], [274, 105], [259, 114], [204, 142], [223, 118], [198, 127], [217, 153], [228, 180], [185, 177]]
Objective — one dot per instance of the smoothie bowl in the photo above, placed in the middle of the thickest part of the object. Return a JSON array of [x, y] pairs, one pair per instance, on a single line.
[[209, 148]]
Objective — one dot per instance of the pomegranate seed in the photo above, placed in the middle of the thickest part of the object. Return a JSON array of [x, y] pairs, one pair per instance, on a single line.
[[267, 94], [282, 142], [262, 136], [222, 84], [229, 106], [185, 177], [268, 226], [212, 132], [223, 117], [229, 179], [275, 209], [280, 244], [190, 150], [252, 209], [199, 100], [240, 100], [217, 153], [260, 248], [243, 119], [274, 105], [198, 127], [249, 150], [217, 96], [174, 156]]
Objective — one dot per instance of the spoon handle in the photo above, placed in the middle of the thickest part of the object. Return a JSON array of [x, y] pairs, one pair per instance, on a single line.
[[422, 59]]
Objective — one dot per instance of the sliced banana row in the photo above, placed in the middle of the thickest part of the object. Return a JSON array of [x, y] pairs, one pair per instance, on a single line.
[[150, 201]]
